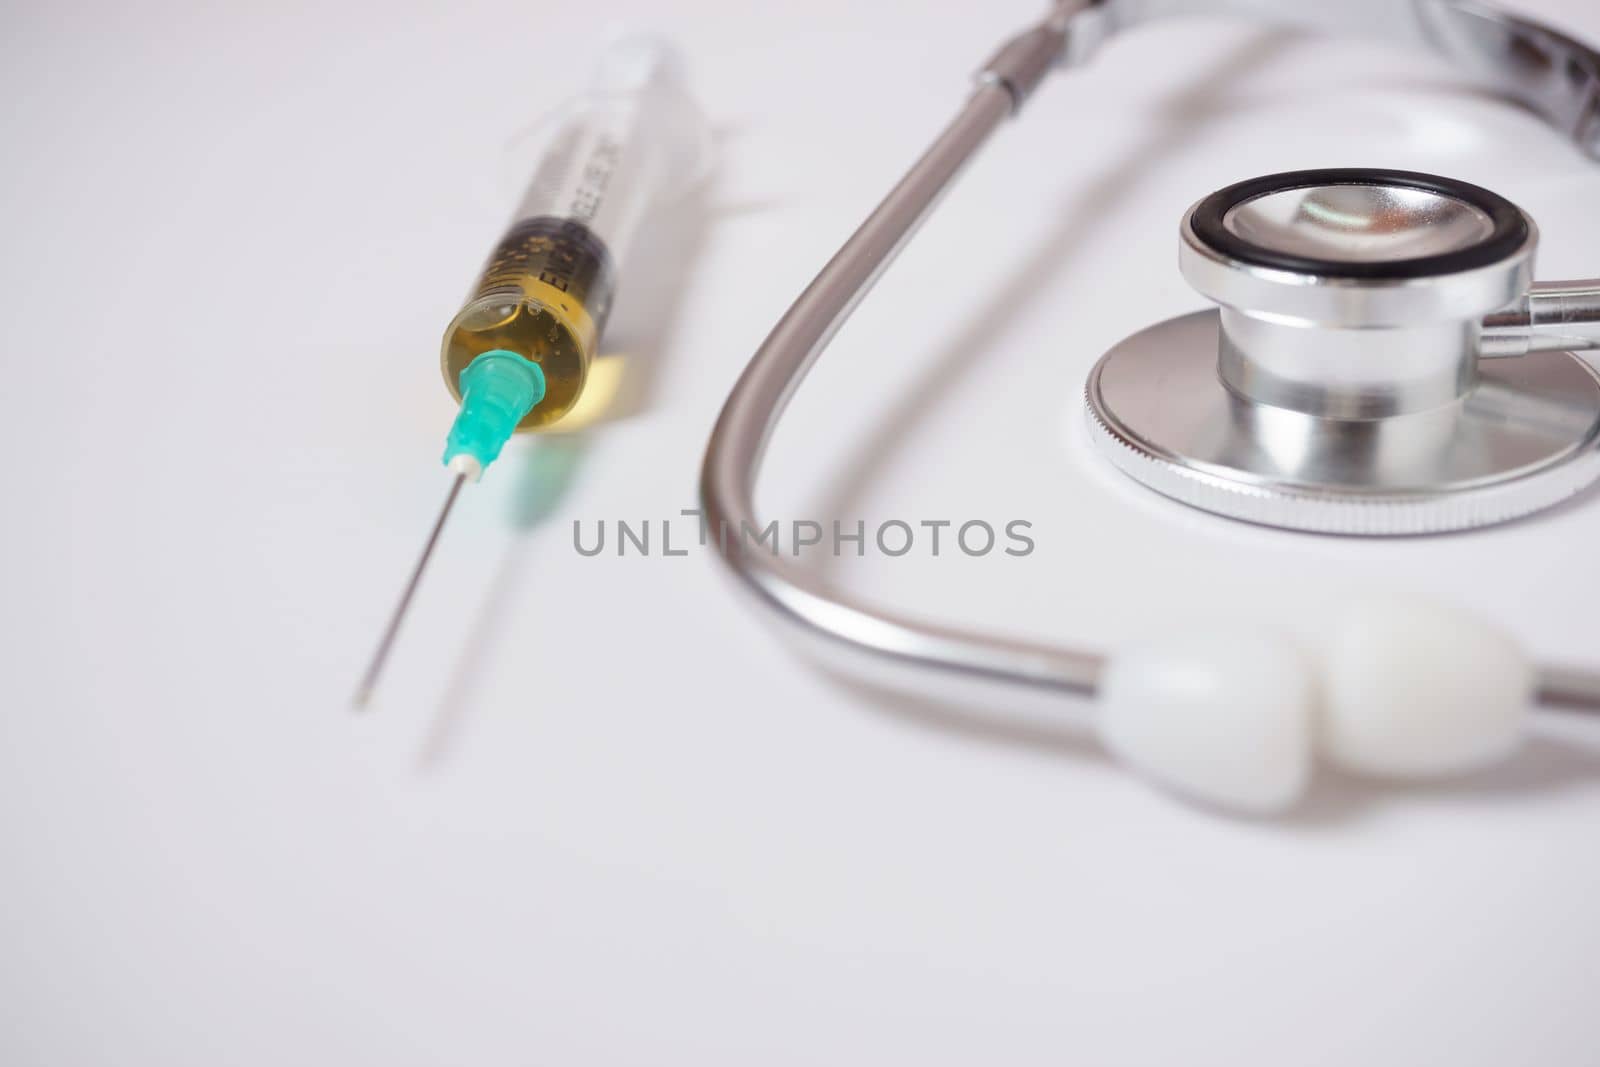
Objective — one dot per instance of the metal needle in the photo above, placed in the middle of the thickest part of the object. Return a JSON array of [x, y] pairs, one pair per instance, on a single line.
[[370, 679]]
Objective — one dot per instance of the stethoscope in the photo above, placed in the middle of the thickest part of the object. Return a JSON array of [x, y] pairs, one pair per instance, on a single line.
[[1380, 362]]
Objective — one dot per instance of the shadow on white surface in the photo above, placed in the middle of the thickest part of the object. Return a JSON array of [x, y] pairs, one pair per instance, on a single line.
[[1067, 737], [544, 474], [1542, 765]]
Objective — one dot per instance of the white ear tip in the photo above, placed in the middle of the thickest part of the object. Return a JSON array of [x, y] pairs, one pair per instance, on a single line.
[[1413, 689], [1224, 717]]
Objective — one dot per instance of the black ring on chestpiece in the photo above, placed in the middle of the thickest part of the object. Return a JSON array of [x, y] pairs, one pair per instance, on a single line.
[[1509, 234]]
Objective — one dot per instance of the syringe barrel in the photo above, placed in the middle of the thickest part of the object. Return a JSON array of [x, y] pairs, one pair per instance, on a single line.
[[630, 141], [629, 144]]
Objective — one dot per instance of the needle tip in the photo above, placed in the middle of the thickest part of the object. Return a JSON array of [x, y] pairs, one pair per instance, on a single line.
[[370, 680]]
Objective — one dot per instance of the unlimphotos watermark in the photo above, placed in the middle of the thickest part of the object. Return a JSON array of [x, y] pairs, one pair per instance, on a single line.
[[892, 537]]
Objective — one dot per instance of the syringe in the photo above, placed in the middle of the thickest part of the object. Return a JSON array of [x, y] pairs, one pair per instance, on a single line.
[[517, 356]]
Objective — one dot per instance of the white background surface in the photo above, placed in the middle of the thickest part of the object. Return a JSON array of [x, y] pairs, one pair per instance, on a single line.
[[600, 815]]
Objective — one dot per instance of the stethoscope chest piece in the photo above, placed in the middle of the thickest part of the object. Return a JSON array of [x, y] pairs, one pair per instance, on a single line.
[[1380, 362]]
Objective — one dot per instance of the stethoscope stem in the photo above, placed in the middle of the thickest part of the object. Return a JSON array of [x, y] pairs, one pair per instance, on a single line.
[[1553, 316]]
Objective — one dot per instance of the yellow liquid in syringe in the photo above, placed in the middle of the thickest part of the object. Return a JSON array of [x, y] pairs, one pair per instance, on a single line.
[[544, 295]]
